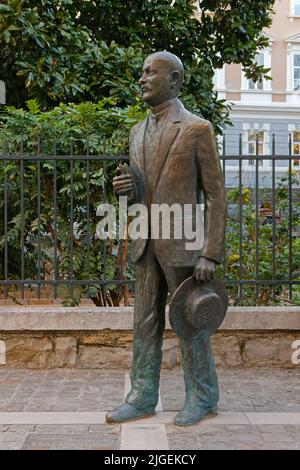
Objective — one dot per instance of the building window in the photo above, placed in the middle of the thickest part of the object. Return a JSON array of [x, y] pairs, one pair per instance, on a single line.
[[296, 9], [260, 60], [220, 143], [255, 144], [296, 146], [296, 72]]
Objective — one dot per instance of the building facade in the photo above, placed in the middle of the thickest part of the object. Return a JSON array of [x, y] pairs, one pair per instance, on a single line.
[[267, 111]]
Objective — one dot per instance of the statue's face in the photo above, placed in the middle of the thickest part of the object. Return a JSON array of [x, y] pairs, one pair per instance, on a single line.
[[156, 82]]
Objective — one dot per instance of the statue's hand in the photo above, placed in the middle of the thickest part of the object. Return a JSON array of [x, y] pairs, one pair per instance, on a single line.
[[122, 182], [205, 269]]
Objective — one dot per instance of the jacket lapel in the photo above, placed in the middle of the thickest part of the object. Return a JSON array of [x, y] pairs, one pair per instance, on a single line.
[[139, 145], [168, 136]]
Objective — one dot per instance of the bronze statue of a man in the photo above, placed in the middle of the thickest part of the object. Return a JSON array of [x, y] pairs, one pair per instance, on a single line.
[[173, 158]]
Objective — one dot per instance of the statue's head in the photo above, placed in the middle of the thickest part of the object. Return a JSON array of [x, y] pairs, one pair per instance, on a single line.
[[162, 77]]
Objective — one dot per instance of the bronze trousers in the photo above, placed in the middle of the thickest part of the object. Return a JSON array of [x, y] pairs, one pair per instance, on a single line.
[[153, 282]]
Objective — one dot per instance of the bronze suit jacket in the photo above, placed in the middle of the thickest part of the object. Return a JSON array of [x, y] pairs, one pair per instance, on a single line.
[[187, 163]]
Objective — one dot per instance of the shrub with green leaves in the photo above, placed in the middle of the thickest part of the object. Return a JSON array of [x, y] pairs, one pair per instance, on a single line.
[[271, 253], [82, 129]]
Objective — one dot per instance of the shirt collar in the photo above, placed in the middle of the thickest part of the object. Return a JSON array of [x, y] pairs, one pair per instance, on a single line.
[[161, 111]]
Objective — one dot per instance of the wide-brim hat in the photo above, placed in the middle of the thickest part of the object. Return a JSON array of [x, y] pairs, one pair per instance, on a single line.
[[198, 307]]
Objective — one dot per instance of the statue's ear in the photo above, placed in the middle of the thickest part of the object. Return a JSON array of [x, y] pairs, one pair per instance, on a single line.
[[175, 78]]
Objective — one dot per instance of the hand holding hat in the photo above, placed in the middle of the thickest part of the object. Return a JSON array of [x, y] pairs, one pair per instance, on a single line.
[[198, 307], [205, 269]]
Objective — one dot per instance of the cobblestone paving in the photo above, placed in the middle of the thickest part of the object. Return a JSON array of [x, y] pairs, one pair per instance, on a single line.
[[50, 437], [252, 390], [234, 437], [60, 390], [242, 390]]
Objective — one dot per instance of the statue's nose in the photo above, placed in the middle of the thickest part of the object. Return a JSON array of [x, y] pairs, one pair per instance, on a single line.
[[142, 79]]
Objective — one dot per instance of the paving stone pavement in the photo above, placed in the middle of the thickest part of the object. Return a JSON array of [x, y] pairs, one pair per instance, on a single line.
[[257, 393]]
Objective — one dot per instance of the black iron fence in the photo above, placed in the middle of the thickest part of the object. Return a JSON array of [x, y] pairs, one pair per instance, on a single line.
[[50, 248]]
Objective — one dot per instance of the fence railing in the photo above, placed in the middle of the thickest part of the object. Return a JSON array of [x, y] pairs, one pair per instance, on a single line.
[[50, 249]]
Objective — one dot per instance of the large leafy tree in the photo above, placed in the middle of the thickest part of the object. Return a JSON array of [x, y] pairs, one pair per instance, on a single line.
[[75, 50]]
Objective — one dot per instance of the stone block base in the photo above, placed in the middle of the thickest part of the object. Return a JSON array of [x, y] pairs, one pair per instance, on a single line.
[[92, 338], [113, 350]]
